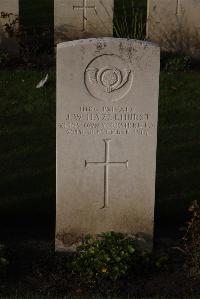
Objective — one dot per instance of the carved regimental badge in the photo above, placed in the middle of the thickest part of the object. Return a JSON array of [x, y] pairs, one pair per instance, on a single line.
[[108, 78]]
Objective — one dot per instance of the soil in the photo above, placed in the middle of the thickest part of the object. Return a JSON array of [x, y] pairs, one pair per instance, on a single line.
[[35, 269]]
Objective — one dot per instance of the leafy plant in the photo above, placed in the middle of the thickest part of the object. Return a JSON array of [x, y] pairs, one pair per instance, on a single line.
[[192, 242], [109, 256], [11, 22]]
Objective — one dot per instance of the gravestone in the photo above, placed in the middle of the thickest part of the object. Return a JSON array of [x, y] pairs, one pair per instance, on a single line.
[[7, 42], [175, 25], [107, 106], [75, 19]]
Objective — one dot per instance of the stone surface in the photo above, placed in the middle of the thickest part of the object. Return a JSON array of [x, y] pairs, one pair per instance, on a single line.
[[75, 19], [107, 106], [175, 24], [6, 42]]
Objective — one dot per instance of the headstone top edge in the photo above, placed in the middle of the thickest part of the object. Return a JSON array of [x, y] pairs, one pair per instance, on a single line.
[[79, 42]]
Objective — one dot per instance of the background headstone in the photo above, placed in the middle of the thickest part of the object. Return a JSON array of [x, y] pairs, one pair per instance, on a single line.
[[7, 42], [76, 19], [107, 106], [175, 25]]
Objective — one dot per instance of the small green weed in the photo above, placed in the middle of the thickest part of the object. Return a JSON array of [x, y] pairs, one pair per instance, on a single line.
[[109, 256], [105, 260]]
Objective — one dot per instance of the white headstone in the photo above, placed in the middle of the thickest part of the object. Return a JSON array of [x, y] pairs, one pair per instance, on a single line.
[[107, 109], [7, 42], [175, 25], [75, 19]]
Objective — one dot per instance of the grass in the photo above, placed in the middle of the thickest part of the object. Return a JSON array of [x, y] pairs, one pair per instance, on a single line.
[[27, 152], [178, 167], [95, 297], [69, 297], [65, 297], [27, 146], [130, 18]]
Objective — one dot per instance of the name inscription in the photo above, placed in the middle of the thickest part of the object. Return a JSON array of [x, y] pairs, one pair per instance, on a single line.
[[115, 120]]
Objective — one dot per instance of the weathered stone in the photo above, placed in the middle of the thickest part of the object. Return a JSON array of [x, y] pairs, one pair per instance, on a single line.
[[75, 19], [175, 25], [107, 106], [8, 42]]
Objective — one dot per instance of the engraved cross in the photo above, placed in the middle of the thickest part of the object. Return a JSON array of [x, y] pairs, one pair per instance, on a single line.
[[84, 8], [106, 164]]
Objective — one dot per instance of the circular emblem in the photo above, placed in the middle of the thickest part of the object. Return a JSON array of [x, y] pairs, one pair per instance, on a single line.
[[108, 78]]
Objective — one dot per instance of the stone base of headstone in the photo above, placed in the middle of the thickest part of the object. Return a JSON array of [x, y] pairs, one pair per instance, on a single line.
[[65, 242]]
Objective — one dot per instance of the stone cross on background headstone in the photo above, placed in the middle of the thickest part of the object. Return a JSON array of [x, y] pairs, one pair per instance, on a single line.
[[76, 19], [107, 89], [84, 9], [106, 164]]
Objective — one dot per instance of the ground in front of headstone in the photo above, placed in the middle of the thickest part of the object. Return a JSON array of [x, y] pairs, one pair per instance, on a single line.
[[28, 192], [35, 270]]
